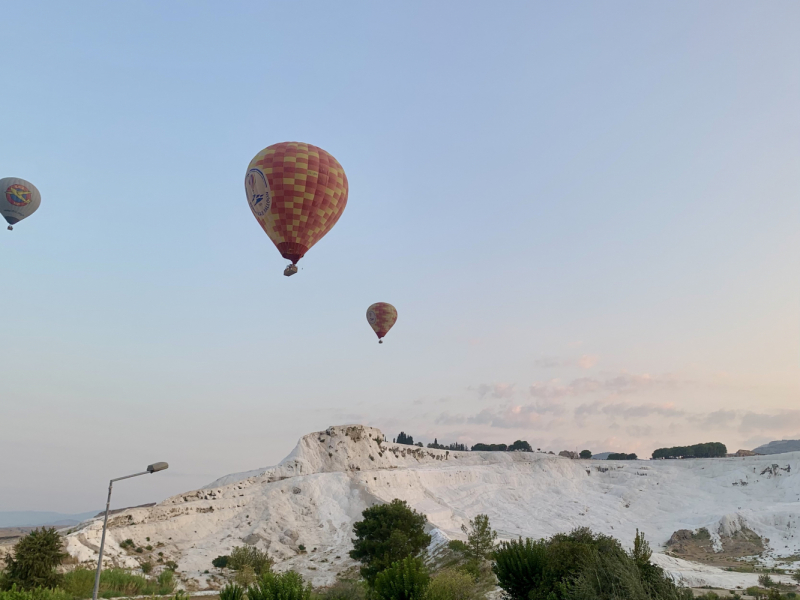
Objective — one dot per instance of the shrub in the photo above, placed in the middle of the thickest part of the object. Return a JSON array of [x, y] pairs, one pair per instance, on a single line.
[[34, 561], [231, 592], [796, 576], [242, 556], [34, 594], [388, 533], [127, 543], [171, 565], [449, 584], [245, 576], [345, 590], [221, 561], [581, 565], [147, 567], [766, 581], [282, 586], [585, 454], [149, 548], [406, 579], [166, 582]]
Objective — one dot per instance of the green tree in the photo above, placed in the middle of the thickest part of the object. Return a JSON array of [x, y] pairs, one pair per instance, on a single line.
[[520, 445], [34, 561], [406, 579], [388, 533], [585, 454], [449, 584], [281, 586], [480, 538]]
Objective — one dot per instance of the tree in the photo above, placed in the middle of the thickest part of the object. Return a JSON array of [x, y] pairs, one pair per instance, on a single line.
[[35, 559], [622, 456], [585, 454], [796, 576], [405, 579], [480, 538], [249, 556], [387, 534], [520, 445], [405, 439]]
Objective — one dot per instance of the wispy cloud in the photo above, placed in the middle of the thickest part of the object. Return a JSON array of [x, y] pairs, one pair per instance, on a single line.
[[495, 390], [624, 383], [585, 361]]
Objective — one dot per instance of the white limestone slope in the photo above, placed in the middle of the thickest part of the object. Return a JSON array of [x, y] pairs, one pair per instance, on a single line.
[[314, 496]]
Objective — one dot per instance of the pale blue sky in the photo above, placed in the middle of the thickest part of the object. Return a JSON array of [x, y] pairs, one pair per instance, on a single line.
[[586, 214]]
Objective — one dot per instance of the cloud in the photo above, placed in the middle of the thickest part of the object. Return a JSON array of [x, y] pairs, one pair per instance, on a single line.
[[628, 411], [495, 390], [516, 415], [585, 361], [783, 421], [447, 419], [624, 383]]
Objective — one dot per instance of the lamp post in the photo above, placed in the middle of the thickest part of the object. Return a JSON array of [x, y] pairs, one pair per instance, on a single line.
[[154, 468]]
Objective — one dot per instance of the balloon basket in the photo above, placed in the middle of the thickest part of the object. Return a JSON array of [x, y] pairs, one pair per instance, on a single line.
[[380, 341], [290, 270], [10, 228]]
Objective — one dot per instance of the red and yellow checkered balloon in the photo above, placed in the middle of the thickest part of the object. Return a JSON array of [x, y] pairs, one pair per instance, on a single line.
[[381, 316], [297, 192]]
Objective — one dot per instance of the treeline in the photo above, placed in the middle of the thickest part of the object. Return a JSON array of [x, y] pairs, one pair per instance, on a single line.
[[518, 446], [457, 447], [707, 450], [622, 456]]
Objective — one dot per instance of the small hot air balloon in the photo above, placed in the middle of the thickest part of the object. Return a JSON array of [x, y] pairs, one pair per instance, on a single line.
[[297, 192], [19, 199], [381, 316]]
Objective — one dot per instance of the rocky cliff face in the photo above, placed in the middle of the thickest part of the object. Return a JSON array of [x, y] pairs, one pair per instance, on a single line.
[[313, 497]]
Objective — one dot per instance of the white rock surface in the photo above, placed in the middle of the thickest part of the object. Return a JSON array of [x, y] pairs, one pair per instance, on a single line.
[[315, 495]]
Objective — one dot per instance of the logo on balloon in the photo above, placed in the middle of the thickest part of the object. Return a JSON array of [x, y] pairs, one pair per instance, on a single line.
[[19, 195], [372, 318], [258, 194]]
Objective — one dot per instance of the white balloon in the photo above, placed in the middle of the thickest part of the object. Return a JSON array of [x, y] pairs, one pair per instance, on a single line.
[[18, 199]]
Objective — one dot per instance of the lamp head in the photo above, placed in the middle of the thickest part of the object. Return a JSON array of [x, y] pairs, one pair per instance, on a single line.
[[155, 467]]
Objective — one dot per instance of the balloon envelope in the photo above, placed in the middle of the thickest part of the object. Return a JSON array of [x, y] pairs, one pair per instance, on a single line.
[[381, 316], [297, 193], [18, 199]]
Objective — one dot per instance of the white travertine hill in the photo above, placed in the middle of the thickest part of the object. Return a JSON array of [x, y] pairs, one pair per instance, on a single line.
[[313, 497]]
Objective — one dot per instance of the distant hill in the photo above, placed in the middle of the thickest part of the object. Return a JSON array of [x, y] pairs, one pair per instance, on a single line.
[[35, 518], [601, 455], [779, 447]]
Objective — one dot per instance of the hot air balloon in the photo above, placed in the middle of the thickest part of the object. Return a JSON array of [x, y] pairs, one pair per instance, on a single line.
[[381, 316], [297, 192], [19, 199]]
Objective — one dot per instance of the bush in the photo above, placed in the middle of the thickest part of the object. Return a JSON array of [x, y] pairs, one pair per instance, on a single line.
[[35, 594], [282, 586], [585, 454], [766, 581], [231, 592], [388, 533], [116, 582], [449, 584], [581, 565], [147, 567], [34, 561], [245, 576], [221, 561], [242, 556], [127, 543], [345, 590], [406, 579], [796, 576]]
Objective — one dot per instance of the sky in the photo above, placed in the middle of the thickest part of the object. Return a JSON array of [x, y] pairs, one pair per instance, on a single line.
[[585, 213]]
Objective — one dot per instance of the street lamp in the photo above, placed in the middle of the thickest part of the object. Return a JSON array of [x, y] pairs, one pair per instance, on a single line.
[[154, 468]]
